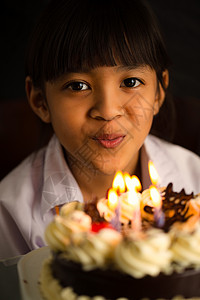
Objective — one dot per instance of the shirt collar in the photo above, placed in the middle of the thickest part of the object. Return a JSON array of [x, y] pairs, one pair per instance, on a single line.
[[59, 185]]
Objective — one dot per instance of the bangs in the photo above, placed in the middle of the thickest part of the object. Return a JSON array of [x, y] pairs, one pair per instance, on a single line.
[[88, 34]]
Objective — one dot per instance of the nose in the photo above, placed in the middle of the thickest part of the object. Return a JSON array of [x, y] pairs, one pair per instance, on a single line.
[[107, 106]]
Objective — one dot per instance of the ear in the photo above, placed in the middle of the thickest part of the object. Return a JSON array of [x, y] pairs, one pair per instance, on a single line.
[[160, 94], [37, 101]]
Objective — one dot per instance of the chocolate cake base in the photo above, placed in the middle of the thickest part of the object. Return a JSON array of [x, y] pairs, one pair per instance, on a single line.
[[113, 284]]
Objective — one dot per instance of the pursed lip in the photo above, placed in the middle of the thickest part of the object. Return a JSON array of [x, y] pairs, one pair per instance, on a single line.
[[109, 141]]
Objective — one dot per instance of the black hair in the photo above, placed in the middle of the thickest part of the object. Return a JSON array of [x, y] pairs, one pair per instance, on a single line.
[[77, 35], [80, 35]]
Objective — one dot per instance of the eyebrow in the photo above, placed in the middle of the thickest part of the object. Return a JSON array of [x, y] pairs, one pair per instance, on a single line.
[[131, 68]]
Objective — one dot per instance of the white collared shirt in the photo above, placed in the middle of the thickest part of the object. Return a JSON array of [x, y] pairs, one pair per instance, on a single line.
[[29, 194]]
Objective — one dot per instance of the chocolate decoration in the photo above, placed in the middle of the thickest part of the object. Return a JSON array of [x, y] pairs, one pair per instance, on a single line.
[[174, 205], [90, 209]]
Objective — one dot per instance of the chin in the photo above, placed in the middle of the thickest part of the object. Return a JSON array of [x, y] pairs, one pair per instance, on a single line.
[[108, 168]]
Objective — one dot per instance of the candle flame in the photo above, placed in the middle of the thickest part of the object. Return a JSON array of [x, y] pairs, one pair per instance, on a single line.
[[132, 183], [118, 182], [128, 181], [136, 183], [155, 196], [112, 199], [153, 173]]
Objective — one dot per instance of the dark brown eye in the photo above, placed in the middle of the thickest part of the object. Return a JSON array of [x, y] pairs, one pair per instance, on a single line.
[[77, 86], [131, 82]]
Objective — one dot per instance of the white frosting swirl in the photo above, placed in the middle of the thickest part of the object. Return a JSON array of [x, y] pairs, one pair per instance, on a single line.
[[148, 255], [186, 246], [63, 230], [71, 233], [95, 250]]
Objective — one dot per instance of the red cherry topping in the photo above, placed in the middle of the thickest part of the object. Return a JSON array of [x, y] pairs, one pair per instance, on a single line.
[[96, 227]]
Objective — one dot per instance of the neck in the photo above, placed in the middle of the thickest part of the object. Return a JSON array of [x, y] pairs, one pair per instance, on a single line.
[[94, 183]]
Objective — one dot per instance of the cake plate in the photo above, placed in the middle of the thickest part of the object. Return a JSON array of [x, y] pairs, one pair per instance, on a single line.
[[29, 268]]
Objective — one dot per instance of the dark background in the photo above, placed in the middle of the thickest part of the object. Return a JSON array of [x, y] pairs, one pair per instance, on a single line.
[[19, 129]]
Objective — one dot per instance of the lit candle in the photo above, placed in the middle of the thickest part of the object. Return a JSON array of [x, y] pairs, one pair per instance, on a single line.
[[114, 204], [115, 221], [118, 187], [155, 196], [123, 201], [136, 219], [134, 186]]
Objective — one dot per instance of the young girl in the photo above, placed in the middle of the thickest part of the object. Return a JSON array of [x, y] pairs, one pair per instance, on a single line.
[[97, 72]]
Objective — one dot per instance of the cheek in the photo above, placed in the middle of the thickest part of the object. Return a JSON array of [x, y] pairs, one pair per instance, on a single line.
[[67, 126], [70, 126], [67, 118], [140, 111]]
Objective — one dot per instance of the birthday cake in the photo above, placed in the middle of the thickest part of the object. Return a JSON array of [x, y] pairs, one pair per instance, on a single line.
[[103, 250]]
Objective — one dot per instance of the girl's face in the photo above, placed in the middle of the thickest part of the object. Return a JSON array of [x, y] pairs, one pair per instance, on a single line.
[[102, 116]]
